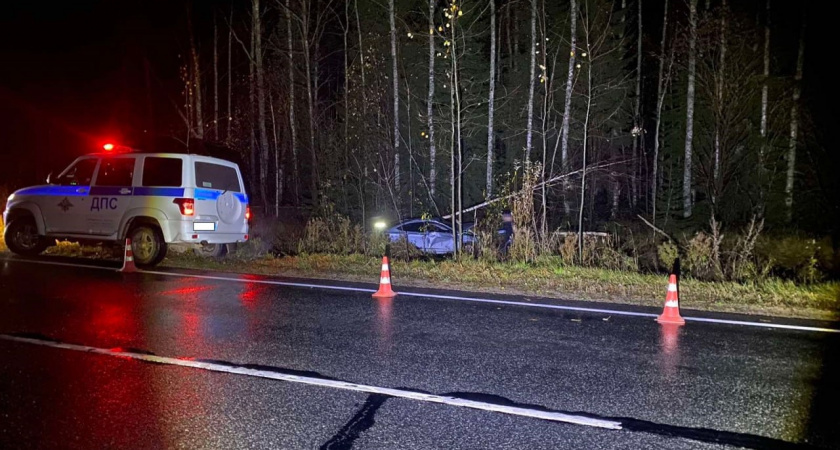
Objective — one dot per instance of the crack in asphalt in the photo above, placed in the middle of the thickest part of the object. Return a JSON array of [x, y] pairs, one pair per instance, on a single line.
[[358, 424]]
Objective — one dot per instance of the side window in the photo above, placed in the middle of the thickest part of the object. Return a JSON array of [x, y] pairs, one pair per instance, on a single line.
[[162, 172], [115, 172], [216, 176], [79, 174], [412, 227], [437, 228]]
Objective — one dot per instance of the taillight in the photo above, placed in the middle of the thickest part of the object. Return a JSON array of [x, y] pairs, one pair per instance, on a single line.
[[187, 206], [247, 212]]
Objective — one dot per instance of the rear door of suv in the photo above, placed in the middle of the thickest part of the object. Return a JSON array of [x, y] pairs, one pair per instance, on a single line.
[[220, 200]]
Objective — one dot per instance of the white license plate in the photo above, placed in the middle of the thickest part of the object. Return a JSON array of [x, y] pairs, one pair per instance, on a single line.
[[204, 226]]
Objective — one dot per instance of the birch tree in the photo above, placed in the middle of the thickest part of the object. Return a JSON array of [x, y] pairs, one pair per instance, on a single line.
[[765, 89], [567, 101], [794, 123], [689, 109], [291, 87], [430, 99], [720, 103], [491, 100], [531, 85], [215, 78], [261, 117], [660, 100], [396, 83]]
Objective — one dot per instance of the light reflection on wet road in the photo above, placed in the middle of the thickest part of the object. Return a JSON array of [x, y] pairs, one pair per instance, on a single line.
[[745, 381]]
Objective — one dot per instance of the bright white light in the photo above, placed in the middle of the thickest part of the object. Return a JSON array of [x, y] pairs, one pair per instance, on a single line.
[[379, 225]]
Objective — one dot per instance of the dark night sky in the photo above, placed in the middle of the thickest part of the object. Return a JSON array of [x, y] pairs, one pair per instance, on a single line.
[[73, 73]]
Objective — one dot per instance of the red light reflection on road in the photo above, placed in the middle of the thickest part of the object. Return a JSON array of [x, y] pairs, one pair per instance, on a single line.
[[384, 326], [669, 343]]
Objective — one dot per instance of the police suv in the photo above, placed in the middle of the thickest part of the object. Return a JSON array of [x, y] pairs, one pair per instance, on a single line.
[[155, 199]]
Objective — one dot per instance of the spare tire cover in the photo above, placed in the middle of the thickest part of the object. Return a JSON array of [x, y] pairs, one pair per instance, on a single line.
[[229, 207]]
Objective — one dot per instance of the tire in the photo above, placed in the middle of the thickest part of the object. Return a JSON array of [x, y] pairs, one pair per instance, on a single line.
[[212, 250], [22, 237], [147, 245]]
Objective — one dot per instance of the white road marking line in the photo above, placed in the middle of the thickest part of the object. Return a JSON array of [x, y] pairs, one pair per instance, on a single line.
[[334, 384], [459, 298]]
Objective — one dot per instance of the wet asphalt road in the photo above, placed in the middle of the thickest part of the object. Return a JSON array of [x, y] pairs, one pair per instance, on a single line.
[[699, 386]]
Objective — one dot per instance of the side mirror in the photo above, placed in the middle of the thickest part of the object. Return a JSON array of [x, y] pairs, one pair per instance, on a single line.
[[49, 176]]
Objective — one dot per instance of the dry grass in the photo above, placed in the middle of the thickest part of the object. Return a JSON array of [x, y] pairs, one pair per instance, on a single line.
[[548, 277], [3, 247]]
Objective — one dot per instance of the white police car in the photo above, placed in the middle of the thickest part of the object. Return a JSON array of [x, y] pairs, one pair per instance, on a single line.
[[155, 199]]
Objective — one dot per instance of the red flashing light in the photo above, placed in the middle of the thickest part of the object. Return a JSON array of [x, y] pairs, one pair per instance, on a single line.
[[187, 206], [108, 147], [248, 212]]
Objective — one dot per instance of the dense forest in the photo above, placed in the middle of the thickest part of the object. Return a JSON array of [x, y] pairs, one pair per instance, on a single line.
[[678, 111]]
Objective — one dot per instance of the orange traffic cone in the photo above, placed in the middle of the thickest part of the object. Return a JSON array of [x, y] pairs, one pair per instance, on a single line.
[[671, 313], [385, 282], [128, 259]]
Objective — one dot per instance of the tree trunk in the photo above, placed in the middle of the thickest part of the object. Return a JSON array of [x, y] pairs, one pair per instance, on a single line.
[[530, 131], [456, 89], [229, 78], [261, 119], [430, 102], [307, 57], [196, 76], [215, 79], [660, 100], [292, 126], [585, 143], [396, 84], [637, 114], [794, 122], [252, 103], [689, 109], [491, 101], [720, 105], [567, 103], [278, 161], [765, 89]]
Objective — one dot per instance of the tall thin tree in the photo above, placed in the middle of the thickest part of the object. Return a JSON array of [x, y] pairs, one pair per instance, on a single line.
[[689, 109], [291, 87], [215, 78], [794, 121], [567, 102], [261, 113], [430, 102], [491, 101], [531, 85], [660, 100], [765, 91], [396, 84]]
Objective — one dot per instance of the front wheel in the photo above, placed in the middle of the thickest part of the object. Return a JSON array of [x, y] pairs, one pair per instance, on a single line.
[[147, 246], [23, 239]]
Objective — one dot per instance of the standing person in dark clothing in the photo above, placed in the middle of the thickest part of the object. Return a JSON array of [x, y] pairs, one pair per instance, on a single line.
[[505, 234]]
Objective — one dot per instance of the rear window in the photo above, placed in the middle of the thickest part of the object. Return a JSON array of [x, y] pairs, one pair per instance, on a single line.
[[215, 176], [165, 172]]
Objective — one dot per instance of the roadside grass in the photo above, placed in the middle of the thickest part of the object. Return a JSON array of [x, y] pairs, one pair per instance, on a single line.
[[3, 247], [547, 277]]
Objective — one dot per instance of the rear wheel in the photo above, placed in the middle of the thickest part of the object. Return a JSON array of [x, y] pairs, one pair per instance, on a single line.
[[147, 245], [212, 250], [22, 237]]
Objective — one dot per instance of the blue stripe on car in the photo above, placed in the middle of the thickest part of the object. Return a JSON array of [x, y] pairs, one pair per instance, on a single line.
[[111, 190], [68, 191], [159, 192]]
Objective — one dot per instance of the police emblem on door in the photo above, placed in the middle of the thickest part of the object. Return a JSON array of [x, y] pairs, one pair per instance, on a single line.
[[65, 204]]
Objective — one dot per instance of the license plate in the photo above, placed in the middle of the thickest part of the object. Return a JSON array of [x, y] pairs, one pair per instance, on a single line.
[[204, 226]]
